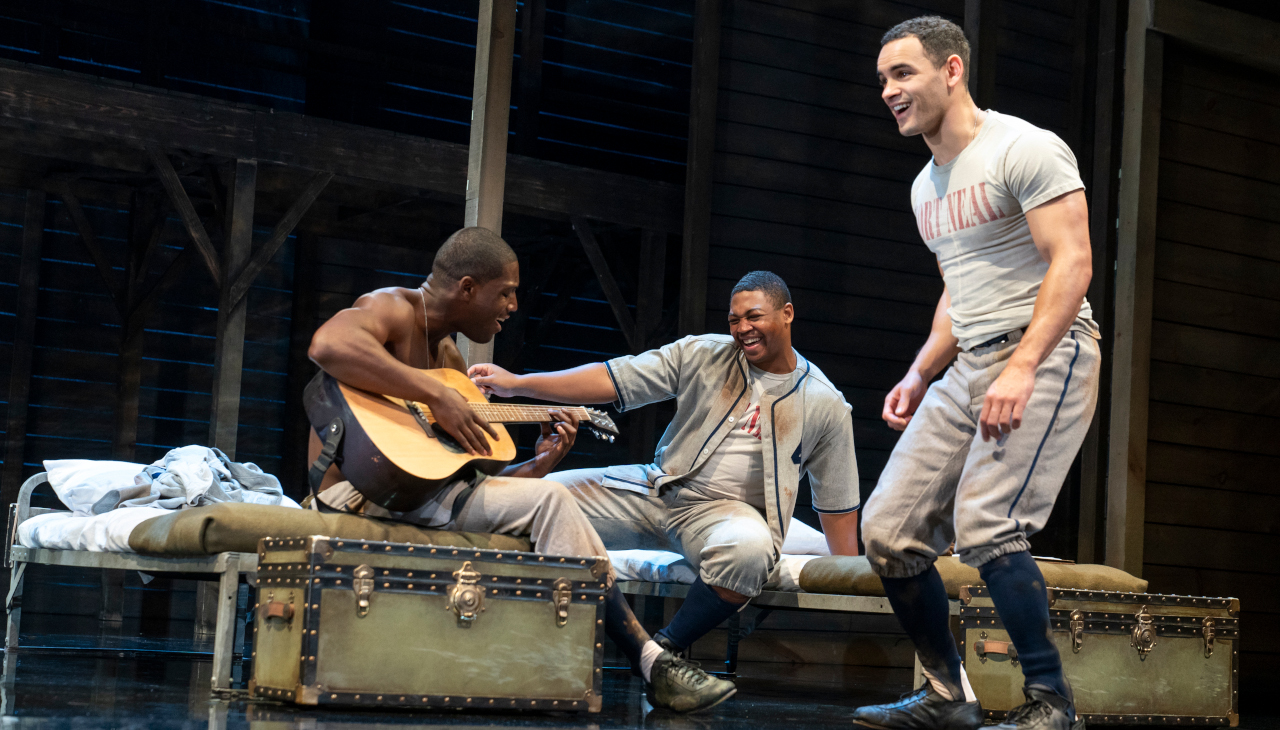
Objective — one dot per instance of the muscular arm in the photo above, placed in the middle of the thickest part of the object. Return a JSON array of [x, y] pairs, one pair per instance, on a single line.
[[352, 347], [1060, 229], [582, 385], [841, 531]]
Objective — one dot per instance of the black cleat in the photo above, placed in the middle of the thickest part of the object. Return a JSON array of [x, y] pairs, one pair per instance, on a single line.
[[923, 709], [1043, 710], [681, 685]]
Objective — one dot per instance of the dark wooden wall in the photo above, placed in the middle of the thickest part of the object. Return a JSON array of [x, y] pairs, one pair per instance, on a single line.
[[1213, 501], [812, 181]]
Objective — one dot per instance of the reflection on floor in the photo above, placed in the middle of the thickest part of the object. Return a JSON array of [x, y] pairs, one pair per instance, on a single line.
[[166, 685]]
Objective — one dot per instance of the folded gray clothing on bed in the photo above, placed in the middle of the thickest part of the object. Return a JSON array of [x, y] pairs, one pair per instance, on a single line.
[[193, 476]]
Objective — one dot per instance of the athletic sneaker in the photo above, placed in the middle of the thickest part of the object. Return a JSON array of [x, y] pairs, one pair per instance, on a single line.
[[681, 685], [1043, 710], [923, 709]]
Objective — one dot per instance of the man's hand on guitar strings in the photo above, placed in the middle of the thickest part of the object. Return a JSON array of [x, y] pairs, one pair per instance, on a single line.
[[556, 440], [454, 414], [493, 380]]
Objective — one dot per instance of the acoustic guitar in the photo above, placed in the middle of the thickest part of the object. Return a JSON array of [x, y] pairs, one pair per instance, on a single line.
[[393, 452]]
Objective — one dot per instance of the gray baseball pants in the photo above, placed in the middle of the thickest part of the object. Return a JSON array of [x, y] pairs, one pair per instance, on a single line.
[[728, 542], [943, 483]]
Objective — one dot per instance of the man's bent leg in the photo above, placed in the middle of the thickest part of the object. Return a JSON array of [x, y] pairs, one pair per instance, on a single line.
[[907, 524], [1007, 493], [731, 546]]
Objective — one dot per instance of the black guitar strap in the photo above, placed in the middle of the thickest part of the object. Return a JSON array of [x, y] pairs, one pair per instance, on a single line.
[[332, 440]]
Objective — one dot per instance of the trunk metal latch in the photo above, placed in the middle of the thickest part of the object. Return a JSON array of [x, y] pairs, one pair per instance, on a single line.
[[561, 593], [362, 584], [466, 599], [1144, 634], [1077, 631], [1209, 635]]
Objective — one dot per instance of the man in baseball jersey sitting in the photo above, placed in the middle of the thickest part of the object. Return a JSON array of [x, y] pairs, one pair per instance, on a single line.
[[752, 417]]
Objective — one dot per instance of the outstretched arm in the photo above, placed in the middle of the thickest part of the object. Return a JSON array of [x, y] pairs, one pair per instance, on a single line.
[[352, 347], [582, 385], [1060, 229]]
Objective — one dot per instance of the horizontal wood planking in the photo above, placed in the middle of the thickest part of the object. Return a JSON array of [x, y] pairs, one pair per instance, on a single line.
[[1208, 266], [1208, 348], [1172, 504], [743, 233], [1220, 151], [1198, 547], [1256, 591], [1216, 468], [1219, 191], [1225, 311], [1208, 388], [1214, 429]]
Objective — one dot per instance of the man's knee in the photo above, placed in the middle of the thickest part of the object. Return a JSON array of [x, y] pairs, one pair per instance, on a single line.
[[740, 566]]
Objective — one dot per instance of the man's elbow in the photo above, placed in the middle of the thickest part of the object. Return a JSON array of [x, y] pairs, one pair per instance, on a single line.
[[321, 350]]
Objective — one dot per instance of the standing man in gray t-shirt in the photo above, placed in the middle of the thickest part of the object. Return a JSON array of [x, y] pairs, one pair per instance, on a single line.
[[1002, 206]]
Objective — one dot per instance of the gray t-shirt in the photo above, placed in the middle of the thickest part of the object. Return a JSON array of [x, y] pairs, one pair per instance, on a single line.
[[971, 214]]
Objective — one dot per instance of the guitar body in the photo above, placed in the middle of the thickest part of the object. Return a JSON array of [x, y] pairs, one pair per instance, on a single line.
[[387, 454]]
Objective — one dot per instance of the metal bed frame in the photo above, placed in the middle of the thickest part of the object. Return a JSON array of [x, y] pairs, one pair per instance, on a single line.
[[228, 566]]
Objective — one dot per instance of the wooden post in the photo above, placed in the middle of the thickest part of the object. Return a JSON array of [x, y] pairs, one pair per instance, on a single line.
[[144, 234], [532, 37], [487, 155], [23, 345], [981, 26], [1135, 274], [229, 356], [1102, 217], [302, 325], [653, 265], [704, 86]]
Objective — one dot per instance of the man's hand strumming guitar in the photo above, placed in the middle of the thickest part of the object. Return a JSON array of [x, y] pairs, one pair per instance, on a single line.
[[452, 412]]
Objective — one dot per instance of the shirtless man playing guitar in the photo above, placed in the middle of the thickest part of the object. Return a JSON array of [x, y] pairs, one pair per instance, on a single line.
[[384, 342]]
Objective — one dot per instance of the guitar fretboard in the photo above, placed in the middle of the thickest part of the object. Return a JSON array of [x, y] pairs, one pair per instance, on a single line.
[[514, 413]]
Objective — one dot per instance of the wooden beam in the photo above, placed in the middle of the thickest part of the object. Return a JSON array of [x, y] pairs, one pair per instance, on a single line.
[[607, 283], [653, 269], [228, 359], [90, 241], [302, 325], [264, 254], [23, 346], [532, 39], [487, 153], [142, 238], [1246, 39], [186, 211], [981, 27], [1102, 229], [704, 87], [1135, 274], [87, 108]]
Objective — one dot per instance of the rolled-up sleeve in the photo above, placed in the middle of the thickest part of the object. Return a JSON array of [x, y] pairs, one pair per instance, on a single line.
[[649, 377], [833, 467]]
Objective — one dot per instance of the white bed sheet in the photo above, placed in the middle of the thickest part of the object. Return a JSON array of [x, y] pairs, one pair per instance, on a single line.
[[660, 566]]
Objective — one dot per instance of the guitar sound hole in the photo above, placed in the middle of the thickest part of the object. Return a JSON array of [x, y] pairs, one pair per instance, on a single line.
[[447, 440]]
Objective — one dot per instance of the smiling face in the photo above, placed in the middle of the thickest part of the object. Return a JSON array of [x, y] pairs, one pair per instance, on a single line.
[[486, 306], [761, 329], [917, 92]]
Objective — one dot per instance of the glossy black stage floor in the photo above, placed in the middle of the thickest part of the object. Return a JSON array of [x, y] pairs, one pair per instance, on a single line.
[[89, 682]]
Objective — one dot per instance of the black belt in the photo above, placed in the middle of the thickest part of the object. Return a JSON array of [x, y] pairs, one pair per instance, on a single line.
[[997, 340]]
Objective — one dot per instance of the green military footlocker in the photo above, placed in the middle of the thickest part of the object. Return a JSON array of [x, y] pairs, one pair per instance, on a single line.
[[1131, 658], [356, 622]]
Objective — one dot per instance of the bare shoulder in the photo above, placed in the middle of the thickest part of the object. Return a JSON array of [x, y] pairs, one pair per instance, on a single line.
[[395, 308]]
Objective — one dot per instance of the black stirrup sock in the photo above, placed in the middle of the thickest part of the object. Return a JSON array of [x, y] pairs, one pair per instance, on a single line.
[[1017, 589], [702, 611], [920, 603], [621, 625]]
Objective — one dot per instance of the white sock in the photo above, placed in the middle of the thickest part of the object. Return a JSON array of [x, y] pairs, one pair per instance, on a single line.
[[941, 688], [648, 653]]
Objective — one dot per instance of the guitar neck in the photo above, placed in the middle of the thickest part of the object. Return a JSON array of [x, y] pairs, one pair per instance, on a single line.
[[514, 413]]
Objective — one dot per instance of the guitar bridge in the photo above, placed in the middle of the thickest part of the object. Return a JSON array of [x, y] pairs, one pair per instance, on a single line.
[[421, 418]]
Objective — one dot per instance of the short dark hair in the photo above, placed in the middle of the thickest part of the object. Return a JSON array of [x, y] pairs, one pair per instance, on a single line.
[[941, 39], [476, 252], [767, 282]]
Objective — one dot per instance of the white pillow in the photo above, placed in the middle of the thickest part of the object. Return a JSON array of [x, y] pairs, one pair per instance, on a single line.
[[80, 483], [804, 540]]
